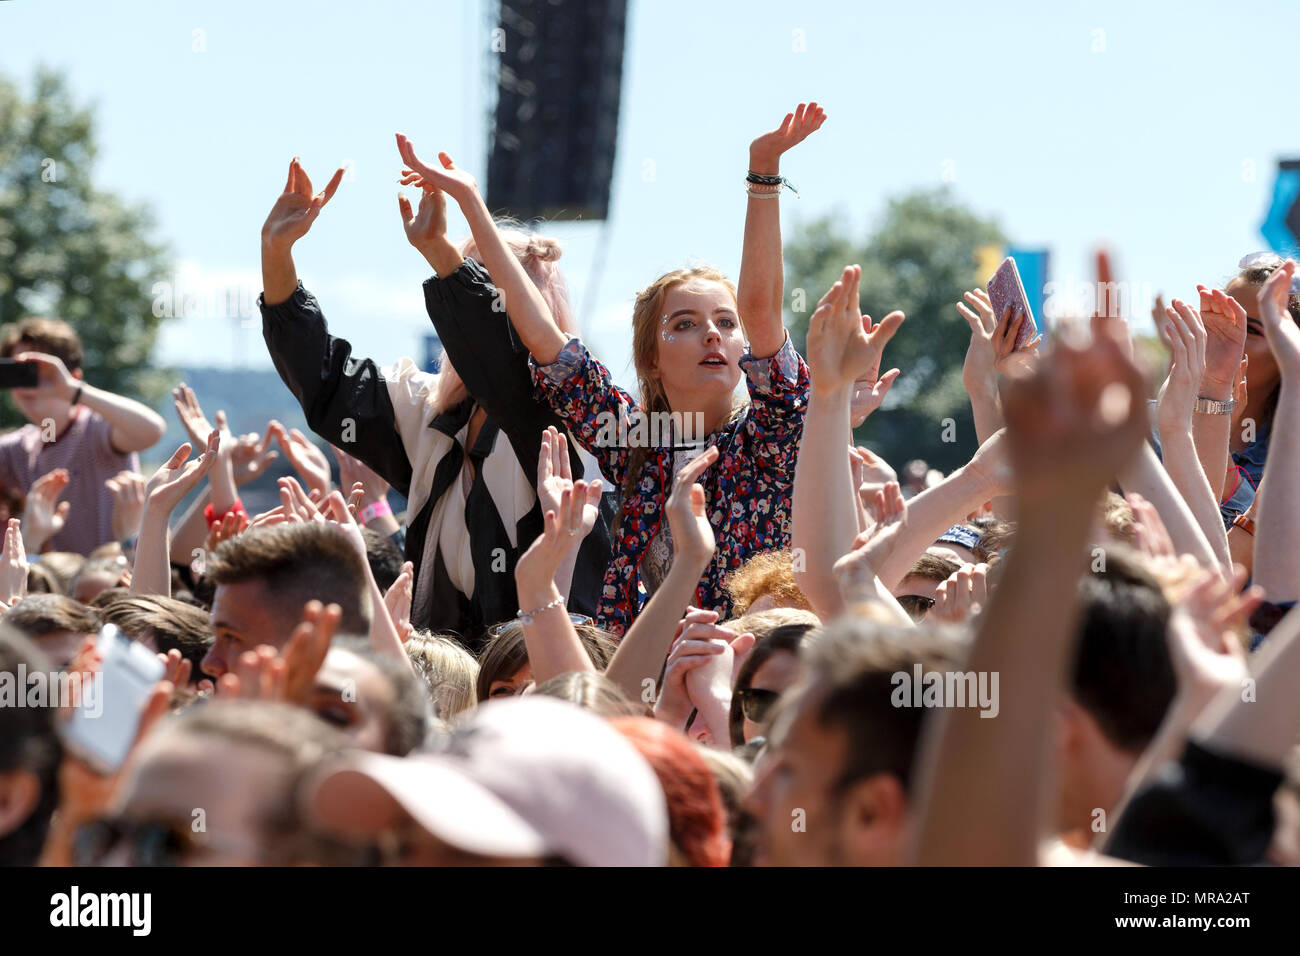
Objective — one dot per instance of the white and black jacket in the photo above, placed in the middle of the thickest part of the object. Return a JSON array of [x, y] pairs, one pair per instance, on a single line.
[[386, 417]]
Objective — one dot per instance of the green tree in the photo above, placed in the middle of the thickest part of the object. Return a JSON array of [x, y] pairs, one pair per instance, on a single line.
[[919, 259], [68, 249]]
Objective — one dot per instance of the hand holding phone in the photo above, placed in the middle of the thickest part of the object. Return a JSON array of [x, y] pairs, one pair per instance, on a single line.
[[1005, 288], [16, 374], [104, 725]]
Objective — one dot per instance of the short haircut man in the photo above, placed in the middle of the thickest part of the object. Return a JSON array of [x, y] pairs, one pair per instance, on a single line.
[[1122, 684], [265, 576], [841, 750]]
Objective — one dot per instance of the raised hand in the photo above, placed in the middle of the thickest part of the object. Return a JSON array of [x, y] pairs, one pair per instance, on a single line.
[[53, 376], [1280, 329], [191, 415], [455, 182], [306, 649], [398, 600], [1187, 340], [693, 538], [1225, 338], [429, 223], [1108, 315], [13, 564], [44, 515], [230, 525], [992, 350], [870, 474], [178, 476], [297, 208], [127, 489], [250, 456], [843, 344], [535, 570], [962, 596], [765, 151], [1081, 417], [855, 571], [353, 471], [697, 641], [1204, 625], [555, 476], [308, 460]]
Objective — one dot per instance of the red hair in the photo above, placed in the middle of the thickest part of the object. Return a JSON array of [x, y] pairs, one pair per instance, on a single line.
[[697, 820]]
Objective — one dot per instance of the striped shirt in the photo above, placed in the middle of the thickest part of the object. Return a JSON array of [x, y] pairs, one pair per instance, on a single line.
[[86, 450]]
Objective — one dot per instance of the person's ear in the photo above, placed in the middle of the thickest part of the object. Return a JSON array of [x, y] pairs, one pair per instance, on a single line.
[[873, 816], [78, 374], [20, 791], [1069, 718]]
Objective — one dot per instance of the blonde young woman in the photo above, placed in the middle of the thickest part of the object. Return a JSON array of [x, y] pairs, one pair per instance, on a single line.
[[690, 353], [461, 446]]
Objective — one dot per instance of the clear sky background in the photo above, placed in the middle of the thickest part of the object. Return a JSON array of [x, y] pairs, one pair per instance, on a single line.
[[1153, 128]]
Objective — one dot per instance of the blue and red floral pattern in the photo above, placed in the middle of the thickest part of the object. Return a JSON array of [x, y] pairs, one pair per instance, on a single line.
[[747, 492]]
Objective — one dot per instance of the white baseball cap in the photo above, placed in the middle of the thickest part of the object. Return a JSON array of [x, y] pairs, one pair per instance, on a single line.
[[522, 777]]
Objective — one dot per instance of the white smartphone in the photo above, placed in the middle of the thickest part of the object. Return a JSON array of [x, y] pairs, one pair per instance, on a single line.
[[104, 725]]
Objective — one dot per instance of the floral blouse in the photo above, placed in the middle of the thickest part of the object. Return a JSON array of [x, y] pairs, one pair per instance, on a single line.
[[747, 491]]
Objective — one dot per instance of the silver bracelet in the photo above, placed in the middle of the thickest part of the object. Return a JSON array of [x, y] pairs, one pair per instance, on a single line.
[[1212, 406], [527, 616]]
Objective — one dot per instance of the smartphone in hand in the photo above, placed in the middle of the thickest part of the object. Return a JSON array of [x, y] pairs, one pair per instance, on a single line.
[[103, 727], [1005, 288], [16, 374]]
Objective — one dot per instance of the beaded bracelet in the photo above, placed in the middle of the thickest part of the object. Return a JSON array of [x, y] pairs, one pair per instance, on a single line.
[[527, 616], [761, 179]]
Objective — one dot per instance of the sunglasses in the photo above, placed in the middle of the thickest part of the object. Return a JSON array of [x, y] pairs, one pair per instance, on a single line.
[[756, 704], [576, 619], [1268, 260], [148, 842], [915, 605]]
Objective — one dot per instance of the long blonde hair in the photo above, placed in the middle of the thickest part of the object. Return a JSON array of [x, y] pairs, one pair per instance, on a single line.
[[539, 255]]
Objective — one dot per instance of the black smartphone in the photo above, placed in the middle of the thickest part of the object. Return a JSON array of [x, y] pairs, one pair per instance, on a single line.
[[15, 374]]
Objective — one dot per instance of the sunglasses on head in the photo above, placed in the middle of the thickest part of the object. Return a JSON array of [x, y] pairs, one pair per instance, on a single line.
[[1268, 260], [915, 605], [756, 703]]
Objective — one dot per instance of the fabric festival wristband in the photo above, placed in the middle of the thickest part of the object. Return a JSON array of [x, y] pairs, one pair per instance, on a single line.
[[372, 511]]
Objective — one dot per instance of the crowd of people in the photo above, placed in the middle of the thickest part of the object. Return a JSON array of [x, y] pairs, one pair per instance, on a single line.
[[680, 627]]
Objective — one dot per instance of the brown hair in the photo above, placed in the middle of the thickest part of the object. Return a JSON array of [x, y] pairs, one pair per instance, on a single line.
[[168, 622], [39, 614], [62, 567], [763, 623], [51, 336], [505, 652], [853, 663], [297, 563], [768, 573], [647, 315], [933, 567]]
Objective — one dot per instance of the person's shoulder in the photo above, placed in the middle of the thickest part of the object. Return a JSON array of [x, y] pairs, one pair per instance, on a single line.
[[15, 436]]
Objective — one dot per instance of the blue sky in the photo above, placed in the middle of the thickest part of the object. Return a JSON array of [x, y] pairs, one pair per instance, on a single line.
[[1155, 130]]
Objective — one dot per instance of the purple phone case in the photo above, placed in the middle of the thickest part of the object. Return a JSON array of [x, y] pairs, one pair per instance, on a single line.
[[1006, 288]]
